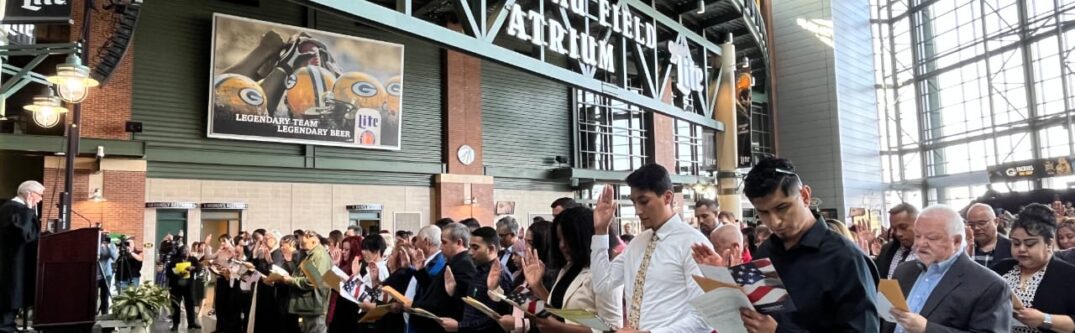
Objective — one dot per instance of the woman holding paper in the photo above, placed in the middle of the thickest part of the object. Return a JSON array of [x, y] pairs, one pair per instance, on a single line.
[[572, 231], [343, 314], [372, 272], [1038, 280]]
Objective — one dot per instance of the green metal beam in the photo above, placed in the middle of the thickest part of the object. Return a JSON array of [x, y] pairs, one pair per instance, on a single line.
[[375, 14], [57, 144], [180, 155], [512, 172], [619, 176]]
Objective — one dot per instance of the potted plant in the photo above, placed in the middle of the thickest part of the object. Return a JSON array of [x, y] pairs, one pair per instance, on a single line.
[[136, 308]]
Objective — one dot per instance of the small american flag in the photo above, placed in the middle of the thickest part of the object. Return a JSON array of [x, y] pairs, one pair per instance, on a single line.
[[762, 286]]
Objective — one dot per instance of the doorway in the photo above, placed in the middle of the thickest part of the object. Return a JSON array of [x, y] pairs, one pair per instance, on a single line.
[[368, 221], [220, 222]]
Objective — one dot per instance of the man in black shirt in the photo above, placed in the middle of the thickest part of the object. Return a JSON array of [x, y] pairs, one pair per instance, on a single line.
[[989, 245], [831, 282]]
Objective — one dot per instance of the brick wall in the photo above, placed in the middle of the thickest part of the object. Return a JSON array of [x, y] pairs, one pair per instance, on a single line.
[[124, 191], [108, 106]]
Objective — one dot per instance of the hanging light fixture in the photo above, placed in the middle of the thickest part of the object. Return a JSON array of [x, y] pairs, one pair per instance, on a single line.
[[46, 109], [73, 80]]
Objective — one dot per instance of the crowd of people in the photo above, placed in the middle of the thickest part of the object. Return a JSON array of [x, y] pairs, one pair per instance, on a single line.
[[971, 270]]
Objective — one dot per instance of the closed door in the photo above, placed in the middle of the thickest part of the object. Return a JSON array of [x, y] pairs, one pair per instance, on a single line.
[[171, 222]]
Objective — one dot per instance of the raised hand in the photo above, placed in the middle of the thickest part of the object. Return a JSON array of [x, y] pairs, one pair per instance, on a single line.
[[375, 274], [493, 280], [970, 241], [336, 254], [208, 238], [533, 268], [704, 255], [356, 266], [419, 260], [605, 211], [449, 281]]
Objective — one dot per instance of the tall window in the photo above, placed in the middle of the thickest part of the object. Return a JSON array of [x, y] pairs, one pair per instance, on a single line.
[[964, 85], [690, 156], [611, 134]]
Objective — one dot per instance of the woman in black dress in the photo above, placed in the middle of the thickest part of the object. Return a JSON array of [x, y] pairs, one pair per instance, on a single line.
[[343, 314], [1039, 280]]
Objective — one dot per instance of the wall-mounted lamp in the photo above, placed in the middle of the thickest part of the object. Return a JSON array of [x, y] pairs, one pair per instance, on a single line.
[[97, 196]]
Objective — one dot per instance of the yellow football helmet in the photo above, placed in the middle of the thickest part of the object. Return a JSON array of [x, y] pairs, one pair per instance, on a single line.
[[394, 87], [361, 90], [306, 90], [235, 93]]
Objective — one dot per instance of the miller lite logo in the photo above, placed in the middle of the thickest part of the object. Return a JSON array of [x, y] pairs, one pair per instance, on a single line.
[[35, 5], [688, 75]]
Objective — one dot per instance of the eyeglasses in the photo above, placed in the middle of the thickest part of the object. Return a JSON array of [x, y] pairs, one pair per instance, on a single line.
[[978, 224], [504, 235]]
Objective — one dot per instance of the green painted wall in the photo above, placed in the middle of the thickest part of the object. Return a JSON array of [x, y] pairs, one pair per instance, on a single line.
[[170, 97], [526, 122]]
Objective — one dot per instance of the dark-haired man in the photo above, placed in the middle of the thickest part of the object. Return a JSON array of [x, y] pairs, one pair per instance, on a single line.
[[656, 271], [562, 204], [484, 243], [832, 284], [471, 223], [706, 211], [901, 219]]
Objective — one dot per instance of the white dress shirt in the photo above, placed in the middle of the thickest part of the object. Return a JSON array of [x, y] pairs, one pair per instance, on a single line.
[[669, 285], [412, 287]]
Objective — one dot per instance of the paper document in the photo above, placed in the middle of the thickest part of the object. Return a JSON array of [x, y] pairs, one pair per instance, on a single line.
[[720, 309], [758, 280], [424, 313], [581, 317], [523, 301], [481, 307], [376, 313], [721, 274], [396, 295], [335, 278], [890, 296]]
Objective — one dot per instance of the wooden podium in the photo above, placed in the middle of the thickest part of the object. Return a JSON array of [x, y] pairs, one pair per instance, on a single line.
[[66, 284]]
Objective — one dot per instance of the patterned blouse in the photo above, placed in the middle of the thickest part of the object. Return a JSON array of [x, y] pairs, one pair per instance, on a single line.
[[1025, 293]]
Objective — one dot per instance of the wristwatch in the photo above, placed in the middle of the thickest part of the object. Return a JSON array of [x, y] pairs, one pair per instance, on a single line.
[[1048, 322]]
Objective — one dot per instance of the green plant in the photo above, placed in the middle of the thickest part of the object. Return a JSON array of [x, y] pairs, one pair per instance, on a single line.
[[141, 304]]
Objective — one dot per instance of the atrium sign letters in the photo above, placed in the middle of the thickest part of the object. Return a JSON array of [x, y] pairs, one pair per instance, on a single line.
[[562, 38]]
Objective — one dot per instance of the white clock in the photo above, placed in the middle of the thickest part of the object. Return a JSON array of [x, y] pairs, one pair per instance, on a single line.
[[465, 154]]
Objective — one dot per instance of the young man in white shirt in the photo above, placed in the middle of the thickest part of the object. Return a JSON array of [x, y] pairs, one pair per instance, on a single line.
[[658, 261]]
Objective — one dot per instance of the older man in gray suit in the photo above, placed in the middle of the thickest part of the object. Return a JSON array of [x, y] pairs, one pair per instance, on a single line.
[[946, 291]]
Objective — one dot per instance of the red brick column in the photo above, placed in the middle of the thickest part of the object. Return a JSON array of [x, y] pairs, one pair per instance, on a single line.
[[463, 126]]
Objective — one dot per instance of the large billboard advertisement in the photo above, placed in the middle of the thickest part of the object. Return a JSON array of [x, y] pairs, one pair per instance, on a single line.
[[280, 83]]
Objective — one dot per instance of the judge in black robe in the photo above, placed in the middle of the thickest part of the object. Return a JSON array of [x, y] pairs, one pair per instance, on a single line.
[[19, 231]]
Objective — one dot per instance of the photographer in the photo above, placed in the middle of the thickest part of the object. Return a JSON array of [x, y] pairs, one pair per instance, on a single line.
[[106, 254], [129, 264]]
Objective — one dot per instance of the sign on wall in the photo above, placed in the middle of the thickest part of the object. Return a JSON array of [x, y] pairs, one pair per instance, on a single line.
[[1034, 169], [274, 82], [36, 11]]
